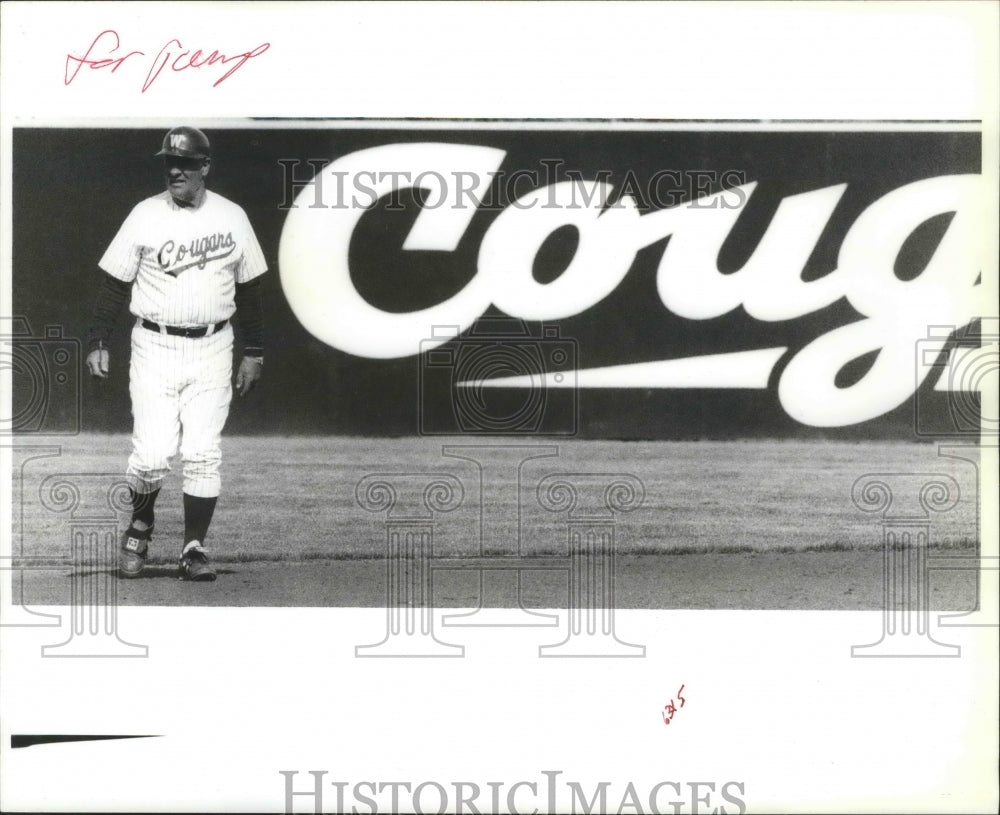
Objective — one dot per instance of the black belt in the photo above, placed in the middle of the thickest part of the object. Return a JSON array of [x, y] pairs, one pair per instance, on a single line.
[[177, 331]]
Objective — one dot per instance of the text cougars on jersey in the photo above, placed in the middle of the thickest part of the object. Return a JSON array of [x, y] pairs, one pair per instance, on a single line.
[[524, 797], [894, 314], [175, 257]]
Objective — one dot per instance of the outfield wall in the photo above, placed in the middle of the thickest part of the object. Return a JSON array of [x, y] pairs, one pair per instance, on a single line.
[[72, 188]]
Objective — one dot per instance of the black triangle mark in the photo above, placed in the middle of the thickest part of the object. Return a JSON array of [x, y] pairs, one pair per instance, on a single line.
[[22, 740]]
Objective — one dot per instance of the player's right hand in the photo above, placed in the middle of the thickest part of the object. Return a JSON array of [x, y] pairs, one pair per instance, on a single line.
[[98, 363]]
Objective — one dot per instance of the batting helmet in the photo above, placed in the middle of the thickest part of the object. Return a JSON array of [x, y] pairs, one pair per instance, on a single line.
[[186, 142]]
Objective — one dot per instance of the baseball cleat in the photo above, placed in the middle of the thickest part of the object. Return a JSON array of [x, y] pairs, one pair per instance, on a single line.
[[194, 563], [133, 552]]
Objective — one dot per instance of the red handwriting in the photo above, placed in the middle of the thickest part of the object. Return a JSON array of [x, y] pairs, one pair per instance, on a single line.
[[102, 53], [105, 38], [671, 708], [198, 59]]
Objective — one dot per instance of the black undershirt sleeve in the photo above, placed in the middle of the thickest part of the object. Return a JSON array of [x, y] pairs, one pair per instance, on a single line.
[[250, 315], [111, 296]]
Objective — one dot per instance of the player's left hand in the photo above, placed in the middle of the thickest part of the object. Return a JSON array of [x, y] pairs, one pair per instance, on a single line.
[[98, 363], [248, 375]]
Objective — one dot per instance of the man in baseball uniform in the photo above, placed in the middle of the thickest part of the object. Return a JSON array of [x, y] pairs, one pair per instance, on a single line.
[[188, 261]]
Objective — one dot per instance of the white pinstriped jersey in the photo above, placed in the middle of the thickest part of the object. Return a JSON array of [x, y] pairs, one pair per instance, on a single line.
[[185, 262]]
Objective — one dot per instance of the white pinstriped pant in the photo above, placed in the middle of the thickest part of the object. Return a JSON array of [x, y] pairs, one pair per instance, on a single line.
[[181, 388]]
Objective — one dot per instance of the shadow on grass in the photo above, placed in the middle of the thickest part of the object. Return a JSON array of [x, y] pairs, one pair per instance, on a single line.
[[160, 569], [150, 572]]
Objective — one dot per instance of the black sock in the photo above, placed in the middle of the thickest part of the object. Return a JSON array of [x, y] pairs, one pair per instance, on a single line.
[[142, 506], [197, 517]]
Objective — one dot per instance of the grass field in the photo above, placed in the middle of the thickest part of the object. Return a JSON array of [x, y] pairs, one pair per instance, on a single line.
[[293, 499]]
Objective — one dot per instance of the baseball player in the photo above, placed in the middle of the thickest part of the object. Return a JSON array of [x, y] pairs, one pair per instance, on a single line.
[[187, 260]]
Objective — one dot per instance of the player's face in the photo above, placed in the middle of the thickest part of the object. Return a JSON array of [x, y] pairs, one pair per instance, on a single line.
[[185, 178]]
